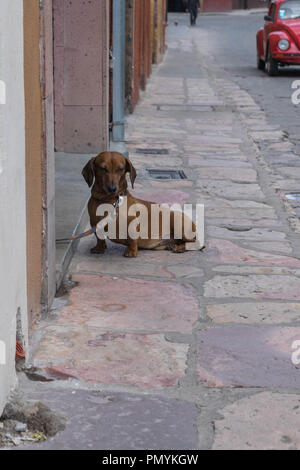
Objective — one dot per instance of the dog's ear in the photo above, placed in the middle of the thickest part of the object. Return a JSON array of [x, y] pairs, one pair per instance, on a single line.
[[130, 169], [88, 172]]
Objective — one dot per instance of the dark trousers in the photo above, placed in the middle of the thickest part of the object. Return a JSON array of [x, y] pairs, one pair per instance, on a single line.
[[194, 14]]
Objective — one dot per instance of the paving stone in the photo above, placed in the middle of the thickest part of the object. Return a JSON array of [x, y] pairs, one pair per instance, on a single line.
[[171, 184], [267, 136], [224, 251], [259, 312], [248, 356], [92, 264], [130, 304], [264, 421], [230, 189], [227, 222], [218, 156], [201, 162], [118, 421], [278, 247], [252, 234], [232, 174], [93, 355], [163, 196], [256, 270], [254, 286], [212, 202], [140, 161], [113, 258], [247, 213], [281, 146], [290, 171], [217, 137]]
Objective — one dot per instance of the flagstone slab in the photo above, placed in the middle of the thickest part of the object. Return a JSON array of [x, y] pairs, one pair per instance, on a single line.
[[213, 202], [229, 189], [267, 136], [264, 421], [116, 421], [232, 174], [279, 247], [162, 196], [114, 257], [254, 286], [248, 356], [175, 184], [228, 222], [246, 234], [290, 171], [201, 162], [92, 264], [142, 161], [197, 152], [248, 213], [130, 304], [93, 355], [256, 270], [227, 252], [255, 312]]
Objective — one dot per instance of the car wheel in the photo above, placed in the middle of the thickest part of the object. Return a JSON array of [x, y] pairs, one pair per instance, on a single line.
[[260, 63], [272, 65]]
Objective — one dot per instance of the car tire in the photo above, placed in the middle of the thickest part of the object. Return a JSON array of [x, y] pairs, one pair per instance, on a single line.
[[260, 63], [271, 65]]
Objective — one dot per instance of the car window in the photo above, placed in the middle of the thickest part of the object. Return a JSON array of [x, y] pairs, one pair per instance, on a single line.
[[289, 10]]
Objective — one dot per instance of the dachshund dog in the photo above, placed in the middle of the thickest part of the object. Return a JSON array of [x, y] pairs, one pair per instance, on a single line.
[[106, 173]]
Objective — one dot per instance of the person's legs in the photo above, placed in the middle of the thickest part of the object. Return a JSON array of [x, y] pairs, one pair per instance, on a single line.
[[195, 14], [191, 16]]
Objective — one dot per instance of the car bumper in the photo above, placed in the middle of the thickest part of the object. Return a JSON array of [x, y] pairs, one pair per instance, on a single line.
[[288, 58]]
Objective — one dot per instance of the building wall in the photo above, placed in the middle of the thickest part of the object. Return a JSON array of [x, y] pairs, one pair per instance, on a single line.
[[159, 30], [241, 4], [34, 154], [12, 192], [145, 44], [216, 5], [81, 38]]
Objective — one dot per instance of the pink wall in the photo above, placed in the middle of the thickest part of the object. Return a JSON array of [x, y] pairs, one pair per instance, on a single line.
[[217, 5], [80, 75]]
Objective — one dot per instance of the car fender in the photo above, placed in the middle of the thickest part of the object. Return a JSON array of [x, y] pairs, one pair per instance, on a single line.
[[260, 43], [273, 39]]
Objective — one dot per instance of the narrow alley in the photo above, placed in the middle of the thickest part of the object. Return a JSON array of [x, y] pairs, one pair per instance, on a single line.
[[191, 350]]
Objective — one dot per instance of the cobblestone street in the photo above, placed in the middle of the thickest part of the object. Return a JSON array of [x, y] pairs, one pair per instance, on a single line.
[[191, 350]]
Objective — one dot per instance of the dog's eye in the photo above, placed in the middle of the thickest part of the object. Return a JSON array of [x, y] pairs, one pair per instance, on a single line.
[[102, 168], [119, 170]]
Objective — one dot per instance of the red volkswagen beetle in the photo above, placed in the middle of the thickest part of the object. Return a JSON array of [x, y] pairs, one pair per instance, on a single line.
[[278, 43]]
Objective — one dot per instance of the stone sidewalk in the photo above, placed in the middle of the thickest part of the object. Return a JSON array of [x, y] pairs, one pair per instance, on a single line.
[[193, 350]]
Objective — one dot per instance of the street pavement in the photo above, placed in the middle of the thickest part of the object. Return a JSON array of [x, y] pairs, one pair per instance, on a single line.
[[192, 350]]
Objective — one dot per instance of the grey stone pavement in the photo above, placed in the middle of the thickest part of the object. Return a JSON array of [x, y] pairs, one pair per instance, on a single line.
[[194, 350]]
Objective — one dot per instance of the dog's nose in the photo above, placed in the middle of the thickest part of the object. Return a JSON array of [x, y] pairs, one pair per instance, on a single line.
[[112, 188]]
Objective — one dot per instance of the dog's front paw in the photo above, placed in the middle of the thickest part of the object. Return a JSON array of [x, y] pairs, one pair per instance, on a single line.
[[130, 253], [178, 249], [99, 249]]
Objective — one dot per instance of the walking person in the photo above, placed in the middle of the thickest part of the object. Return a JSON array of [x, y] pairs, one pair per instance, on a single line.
[[193, 6]]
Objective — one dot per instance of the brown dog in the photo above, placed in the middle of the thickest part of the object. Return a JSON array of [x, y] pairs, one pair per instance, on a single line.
[[107, 174]]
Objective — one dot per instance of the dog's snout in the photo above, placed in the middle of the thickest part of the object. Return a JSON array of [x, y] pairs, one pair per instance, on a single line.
[[112, 188]]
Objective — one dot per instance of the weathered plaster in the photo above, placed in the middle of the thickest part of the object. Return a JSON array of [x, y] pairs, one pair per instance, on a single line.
[[12, 191]]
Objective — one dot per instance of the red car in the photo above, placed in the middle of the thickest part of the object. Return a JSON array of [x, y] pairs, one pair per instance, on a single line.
[[278, 43]]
